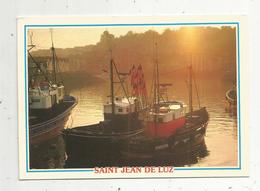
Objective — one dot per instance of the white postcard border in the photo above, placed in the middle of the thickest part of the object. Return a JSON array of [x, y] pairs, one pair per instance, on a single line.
[[242, 81]]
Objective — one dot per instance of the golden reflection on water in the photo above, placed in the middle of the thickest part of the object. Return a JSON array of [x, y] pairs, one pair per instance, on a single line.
[[221, 136]]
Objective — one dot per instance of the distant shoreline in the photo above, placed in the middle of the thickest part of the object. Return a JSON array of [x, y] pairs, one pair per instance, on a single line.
[[76, 80]]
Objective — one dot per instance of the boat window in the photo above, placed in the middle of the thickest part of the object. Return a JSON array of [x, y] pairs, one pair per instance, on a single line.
[[160, 120], [120, 110]]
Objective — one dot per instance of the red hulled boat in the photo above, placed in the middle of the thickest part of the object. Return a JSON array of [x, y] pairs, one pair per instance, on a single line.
[[173, 135], [165, 119]]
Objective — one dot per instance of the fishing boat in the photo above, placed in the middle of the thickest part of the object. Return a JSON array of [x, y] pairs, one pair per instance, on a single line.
[[171, 132], [231, 100], [49, 107], [121, 122], [182, 147], [165, 118]]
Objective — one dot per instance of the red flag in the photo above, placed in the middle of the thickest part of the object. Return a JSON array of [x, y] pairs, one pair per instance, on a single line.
[[137, 81]]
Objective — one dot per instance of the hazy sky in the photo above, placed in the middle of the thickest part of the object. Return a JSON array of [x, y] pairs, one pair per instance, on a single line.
[[82, 36], [71, 37]]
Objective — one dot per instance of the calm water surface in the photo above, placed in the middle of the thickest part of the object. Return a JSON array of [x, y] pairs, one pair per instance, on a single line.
[[221, 136]]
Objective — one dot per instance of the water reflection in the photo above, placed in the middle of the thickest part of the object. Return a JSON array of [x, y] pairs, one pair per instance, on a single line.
[[221, 136], [49, 154], [220, 141]]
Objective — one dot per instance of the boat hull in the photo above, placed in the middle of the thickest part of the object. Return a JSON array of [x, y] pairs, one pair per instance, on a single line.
[[52, 127], [81, 141], [167, 157], [183, 147], [164, 130]]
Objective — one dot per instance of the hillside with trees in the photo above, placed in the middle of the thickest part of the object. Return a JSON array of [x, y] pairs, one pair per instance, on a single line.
[[211, 49]]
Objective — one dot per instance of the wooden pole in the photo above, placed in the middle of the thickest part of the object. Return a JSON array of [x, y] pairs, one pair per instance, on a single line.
[[112, 87]]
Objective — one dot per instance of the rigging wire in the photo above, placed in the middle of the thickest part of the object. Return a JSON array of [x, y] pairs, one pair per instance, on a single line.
[[56, 60], [152, 89], [196, 88]]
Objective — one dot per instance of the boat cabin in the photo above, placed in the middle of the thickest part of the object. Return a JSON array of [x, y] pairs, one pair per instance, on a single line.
[[125, 116], [45, 96], [123, 106], [167, 112]]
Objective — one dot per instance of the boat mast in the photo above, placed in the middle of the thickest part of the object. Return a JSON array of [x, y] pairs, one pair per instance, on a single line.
[[156, 82], [156, 89], [30, 47], [53, 60], [112, 84], [190, 88], [157, 73]]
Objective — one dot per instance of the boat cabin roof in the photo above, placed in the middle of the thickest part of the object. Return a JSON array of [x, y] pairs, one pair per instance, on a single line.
[[123, 102], [165, 109]]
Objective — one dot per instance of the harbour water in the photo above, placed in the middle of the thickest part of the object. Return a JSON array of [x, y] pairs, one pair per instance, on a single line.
[[221, 136]]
